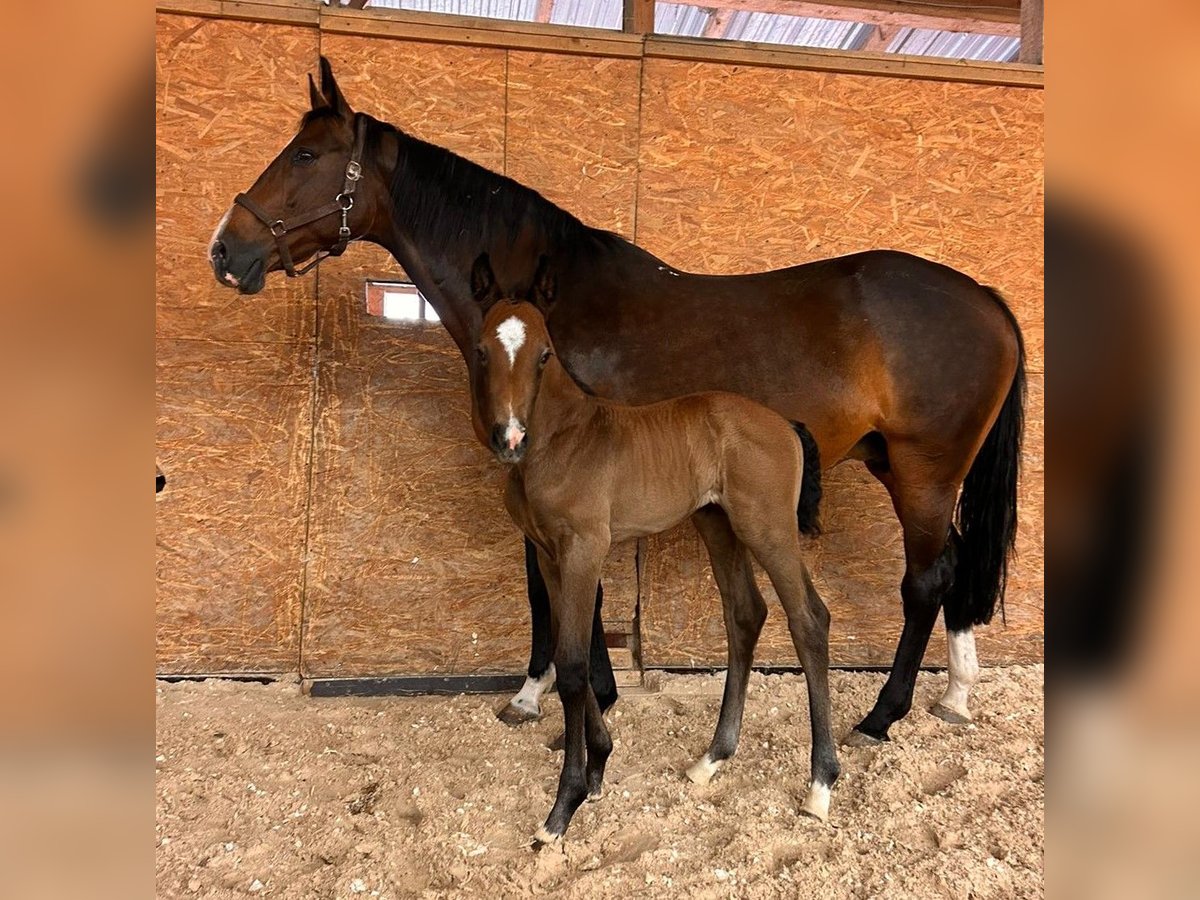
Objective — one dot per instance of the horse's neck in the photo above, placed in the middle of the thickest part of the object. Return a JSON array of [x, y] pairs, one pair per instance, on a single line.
[[560, 404]]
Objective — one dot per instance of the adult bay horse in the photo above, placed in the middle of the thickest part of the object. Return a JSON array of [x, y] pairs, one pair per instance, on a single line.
[[588, 472], [908, 365]]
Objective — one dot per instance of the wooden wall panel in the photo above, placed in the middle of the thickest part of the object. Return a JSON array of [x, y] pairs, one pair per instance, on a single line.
[[745, 169], [572, 133], [234, 385]]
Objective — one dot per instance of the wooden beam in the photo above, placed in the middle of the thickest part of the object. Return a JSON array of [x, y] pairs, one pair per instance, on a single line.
[[637, 16], [545, 9], [1031, 32], [923, 16]]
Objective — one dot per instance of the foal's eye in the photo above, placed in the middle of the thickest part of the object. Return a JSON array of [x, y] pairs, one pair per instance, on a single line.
[[481, 355], [303, 157], [544, 358]]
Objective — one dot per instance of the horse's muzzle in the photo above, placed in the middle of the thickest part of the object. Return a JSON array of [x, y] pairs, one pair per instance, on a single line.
[[509, 442], [241, 270]]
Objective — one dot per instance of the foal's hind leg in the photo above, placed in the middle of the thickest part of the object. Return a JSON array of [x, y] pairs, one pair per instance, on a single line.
[[745, 611], [808, 623]]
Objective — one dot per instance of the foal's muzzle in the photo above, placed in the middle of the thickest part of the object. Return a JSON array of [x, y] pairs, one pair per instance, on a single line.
[[509, 442]]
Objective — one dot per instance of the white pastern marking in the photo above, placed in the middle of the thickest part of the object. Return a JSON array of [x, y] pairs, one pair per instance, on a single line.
[[532, 690], [964, 671], [703, 769], [511, 333], [817, 801], [220, 227]]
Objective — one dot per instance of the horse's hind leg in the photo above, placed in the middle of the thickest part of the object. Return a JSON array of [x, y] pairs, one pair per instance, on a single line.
[[745, 611], [925, 510], [808, 623], [960, 647]]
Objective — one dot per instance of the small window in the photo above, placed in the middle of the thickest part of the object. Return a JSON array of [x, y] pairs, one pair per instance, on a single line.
[[399, 301]]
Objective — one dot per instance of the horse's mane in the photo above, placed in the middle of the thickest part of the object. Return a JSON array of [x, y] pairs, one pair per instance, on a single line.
[[449, 199]]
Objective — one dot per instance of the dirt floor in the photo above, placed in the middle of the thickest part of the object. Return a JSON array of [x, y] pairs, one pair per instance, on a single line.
[[264, 792]]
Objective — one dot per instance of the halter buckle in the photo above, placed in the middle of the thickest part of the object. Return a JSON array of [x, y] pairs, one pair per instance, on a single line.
[[353, 171], [278, 228]]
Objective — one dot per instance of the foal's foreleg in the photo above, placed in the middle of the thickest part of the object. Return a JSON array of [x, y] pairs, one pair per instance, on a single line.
[[588, 744], [745, 611], [525, 706]]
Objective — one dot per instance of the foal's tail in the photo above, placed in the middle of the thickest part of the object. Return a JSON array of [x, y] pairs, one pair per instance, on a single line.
[[810, 487], [986, 517]]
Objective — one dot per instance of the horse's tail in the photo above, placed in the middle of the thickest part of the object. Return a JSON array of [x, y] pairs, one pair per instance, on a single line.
[[807, 516], [986, 516]]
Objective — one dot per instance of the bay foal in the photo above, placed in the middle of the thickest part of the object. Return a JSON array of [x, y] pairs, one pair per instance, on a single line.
[[588, 472]]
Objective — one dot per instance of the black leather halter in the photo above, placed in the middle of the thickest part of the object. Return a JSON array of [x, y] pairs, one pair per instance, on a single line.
[[342, 203]]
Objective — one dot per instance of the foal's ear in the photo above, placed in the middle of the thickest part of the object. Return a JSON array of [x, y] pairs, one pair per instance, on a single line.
[[315, 97], [483, 282], [545, 287], [333, 94]]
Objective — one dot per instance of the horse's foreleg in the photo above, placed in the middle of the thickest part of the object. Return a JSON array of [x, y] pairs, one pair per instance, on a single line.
[[925, 515], [587, 742], [526, 705], [745, 612]]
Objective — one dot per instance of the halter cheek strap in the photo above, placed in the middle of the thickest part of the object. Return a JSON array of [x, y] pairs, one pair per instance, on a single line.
[[342, 204]]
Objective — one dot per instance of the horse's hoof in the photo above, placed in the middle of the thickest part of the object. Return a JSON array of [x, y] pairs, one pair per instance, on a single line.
[[514, 715], [702, 770], [946, 714], [543, 838], [858, 738], [595, 795], [559, 743], [816, 804]]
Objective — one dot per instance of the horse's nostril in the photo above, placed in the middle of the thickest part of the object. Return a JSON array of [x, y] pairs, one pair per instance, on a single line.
[[218, 251]]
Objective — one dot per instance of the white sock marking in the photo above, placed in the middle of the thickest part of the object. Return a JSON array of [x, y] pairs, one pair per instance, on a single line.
[[964, 671], [511, 333], [532, 690]]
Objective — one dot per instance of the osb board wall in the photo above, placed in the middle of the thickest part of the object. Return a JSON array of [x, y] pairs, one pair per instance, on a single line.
[[234, 373], [744, 169], [414, 565], [396, 474]]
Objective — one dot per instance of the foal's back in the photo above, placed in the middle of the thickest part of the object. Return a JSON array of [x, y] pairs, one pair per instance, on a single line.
[[662, 462]]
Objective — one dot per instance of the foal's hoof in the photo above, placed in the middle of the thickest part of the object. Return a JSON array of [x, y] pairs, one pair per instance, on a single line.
[[595, 795], [816, 804], [953, 716], [512, 714], [543, 838], [858, 738], [559, 743], [702, 770]]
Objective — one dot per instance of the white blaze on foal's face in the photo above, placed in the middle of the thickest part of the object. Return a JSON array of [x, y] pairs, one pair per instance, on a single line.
[[511, 334]]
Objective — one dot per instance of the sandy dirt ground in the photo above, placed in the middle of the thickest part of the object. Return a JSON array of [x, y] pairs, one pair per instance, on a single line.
[[264, 792]]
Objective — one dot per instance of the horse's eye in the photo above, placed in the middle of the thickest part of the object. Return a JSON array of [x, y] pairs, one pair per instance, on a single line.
[[481, 354], [544, 358], [303, 157]]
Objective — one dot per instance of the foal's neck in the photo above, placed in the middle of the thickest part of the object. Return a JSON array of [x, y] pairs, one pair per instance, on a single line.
[[560, 404]]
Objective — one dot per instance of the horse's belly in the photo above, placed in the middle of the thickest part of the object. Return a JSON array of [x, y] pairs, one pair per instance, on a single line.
[[650, 514]]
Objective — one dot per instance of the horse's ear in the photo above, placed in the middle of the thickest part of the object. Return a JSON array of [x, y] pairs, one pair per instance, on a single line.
[[483, 281], [333, 94], [544, 286], [315, 97]]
